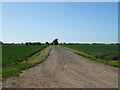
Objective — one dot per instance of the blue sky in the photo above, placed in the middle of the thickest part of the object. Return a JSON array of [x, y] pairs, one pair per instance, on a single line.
[[67, 21]]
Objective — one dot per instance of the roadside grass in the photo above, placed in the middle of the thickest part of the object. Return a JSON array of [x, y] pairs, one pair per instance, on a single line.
[[15, 70], [92, 57]]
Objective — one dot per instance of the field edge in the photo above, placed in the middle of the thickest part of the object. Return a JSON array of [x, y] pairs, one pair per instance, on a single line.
[[32, 61], [83, 54]]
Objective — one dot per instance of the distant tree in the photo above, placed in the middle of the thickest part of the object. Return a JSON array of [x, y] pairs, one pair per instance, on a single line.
[[64, 43], [21, 43], [38, 43], [55, 42], [117, 43], [12, 43], [32, 43], [47, 43], [1, 43], [26, 43]]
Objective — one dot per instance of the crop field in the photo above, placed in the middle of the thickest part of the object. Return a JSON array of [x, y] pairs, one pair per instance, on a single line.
[[13, 55], [108, 53]]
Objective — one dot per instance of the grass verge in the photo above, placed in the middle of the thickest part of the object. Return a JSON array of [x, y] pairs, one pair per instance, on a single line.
[[83, 54], [15, 70]]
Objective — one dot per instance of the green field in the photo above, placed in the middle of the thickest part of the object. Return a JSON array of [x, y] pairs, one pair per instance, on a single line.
[[13, 54], [15, 58], [107, 53]]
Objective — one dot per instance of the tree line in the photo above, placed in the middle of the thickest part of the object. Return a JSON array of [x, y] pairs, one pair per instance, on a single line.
[[54, 42]]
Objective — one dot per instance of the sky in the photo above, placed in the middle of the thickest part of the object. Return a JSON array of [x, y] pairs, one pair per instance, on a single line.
[[76, 22]]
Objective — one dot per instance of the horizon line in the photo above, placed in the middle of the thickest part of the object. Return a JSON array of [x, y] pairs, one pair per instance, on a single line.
[[61, 42]]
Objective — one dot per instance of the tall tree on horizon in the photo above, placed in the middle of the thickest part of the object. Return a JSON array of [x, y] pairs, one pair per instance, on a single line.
[[55, 42]]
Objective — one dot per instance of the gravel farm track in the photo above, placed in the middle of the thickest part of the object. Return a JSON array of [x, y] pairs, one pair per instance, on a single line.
[[64, 69]]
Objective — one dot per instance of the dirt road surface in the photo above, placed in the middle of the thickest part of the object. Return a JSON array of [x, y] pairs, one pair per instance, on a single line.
[[64, 69]]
